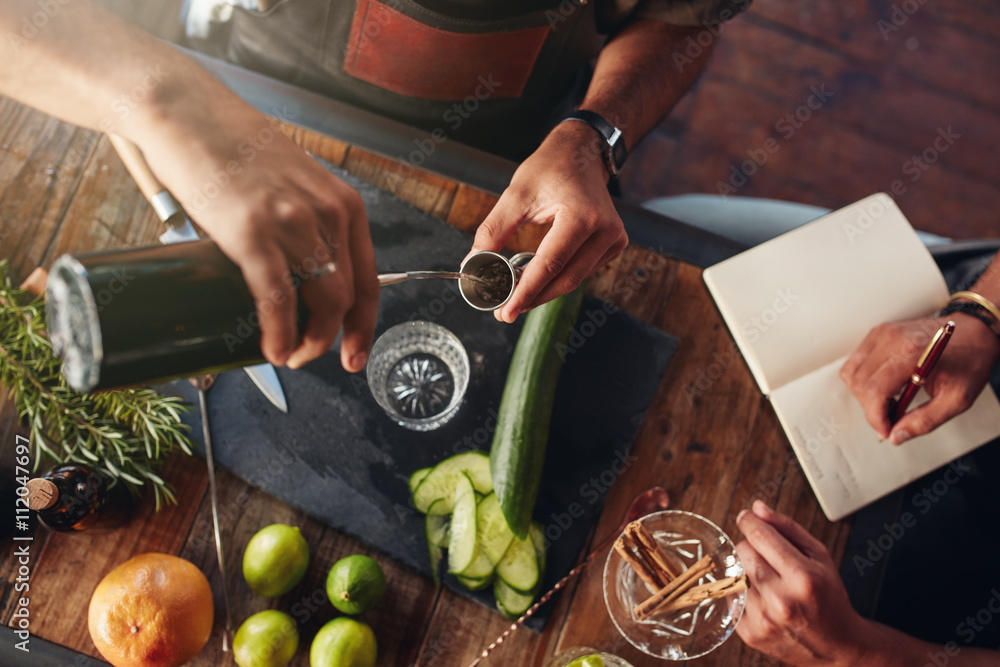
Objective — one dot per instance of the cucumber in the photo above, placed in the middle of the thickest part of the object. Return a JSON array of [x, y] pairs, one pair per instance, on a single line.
[[416, 478], [441, 481], [480, 567], [537, 534], [475, 584], [519, 566], [510, 602], [437, 527], [493, 533], [436, 554], [462, 541], [522, 431]]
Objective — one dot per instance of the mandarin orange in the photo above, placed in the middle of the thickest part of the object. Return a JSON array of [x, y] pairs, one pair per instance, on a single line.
[[153, 610]]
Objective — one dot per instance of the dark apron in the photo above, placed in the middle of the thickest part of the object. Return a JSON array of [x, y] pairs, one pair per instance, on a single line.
[[488, 73]]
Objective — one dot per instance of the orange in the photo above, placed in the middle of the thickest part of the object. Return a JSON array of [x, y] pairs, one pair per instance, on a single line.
[[154, 610]]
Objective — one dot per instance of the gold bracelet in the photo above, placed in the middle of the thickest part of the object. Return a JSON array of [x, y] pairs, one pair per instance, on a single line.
[[979, 299]]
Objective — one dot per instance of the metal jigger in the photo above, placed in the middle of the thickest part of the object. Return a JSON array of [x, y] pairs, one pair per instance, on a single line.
[[476, 262]]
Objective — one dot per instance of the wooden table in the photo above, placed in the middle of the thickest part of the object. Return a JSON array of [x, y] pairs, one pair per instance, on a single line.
[[709, 436]]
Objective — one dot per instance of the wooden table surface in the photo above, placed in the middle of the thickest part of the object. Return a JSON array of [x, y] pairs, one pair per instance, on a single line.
[[709, 436]]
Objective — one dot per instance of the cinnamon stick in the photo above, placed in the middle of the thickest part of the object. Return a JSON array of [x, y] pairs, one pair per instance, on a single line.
[[674, 589], [654, 552], [698, 594], [624, 545]]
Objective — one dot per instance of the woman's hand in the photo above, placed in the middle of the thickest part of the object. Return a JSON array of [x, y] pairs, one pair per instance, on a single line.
[[884, 361]]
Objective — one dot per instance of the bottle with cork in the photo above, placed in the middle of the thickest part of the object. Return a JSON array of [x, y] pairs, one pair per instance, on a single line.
[[73, 498]]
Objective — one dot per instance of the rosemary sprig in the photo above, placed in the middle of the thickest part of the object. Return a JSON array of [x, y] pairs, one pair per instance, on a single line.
[[126, 433]]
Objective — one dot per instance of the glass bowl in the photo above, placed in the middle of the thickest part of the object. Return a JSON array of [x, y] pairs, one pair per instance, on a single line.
[[418, 372], [686, 633]]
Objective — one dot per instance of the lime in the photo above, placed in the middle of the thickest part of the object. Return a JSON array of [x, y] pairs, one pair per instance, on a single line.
[[266, 639], [275, 560], [355, 584], [593, 660], [343, 642]]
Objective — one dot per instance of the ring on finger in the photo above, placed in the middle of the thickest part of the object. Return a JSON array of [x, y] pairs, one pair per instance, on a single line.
[[324, 270]]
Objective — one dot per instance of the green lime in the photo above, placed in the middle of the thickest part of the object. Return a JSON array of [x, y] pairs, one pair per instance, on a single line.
[[275, 560], [266, 639], [343, 642], [593, 660], [355, 584]]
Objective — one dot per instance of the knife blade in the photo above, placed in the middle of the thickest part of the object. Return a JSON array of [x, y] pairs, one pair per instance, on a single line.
[[266, 379], [179, 229]]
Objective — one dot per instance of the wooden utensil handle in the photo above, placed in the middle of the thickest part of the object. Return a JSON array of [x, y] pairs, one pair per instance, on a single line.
[[136, 164]]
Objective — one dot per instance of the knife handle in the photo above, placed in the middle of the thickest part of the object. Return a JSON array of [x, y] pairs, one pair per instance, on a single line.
[[134, 161]]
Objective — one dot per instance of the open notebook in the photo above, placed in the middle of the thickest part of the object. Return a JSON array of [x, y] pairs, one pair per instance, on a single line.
[[799, 304]]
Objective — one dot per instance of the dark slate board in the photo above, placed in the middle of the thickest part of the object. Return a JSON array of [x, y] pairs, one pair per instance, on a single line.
[[338, 457]]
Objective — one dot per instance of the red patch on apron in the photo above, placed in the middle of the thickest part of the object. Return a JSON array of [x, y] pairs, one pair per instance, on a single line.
[[394, 51]]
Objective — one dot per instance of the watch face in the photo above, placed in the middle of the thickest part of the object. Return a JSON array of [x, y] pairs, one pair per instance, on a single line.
[[618, 153]]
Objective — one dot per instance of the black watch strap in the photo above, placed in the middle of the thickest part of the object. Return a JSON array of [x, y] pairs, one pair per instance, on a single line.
[[615, 153]]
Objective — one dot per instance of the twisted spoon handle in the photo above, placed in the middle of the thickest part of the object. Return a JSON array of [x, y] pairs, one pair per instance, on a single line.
[[531, 612]]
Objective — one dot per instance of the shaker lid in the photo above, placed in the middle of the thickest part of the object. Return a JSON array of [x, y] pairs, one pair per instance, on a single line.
[[42, 493]]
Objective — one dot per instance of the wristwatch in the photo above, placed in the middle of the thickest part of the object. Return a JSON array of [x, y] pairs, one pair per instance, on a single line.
[[615, 151]]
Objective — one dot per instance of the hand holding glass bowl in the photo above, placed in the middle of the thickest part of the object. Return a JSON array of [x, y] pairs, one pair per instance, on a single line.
[[686, 633]]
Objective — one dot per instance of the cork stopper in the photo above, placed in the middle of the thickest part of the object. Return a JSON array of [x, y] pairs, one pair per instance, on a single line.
[[42, 494]]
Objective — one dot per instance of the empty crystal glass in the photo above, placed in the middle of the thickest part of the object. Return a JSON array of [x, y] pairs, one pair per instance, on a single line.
[[418, 372]]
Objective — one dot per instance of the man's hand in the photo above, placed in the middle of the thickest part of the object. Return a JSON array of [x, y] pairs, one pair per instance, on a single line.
[[564, 182], [276, 213], [797, 609], [270, 207], [881, 365]]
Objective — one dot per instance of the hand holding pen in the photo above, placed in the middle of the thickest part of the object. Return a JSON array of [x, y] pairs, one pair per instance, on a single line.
[[887, 358], [929, 359]]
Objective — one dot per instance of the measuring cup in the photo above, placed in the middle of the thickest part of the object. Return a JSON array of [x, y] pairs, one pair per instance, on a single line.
[[502, 272]]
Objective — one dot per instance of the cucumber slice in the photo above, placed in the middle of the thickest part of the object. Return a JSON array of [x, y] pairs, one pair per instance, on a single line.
[[537, 535], [442, 480], [494, 535], [462, 541], [519, 566], [437, 555], [510, 602], [437, 527], [418, 477], [475, 584], [480, 567]]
